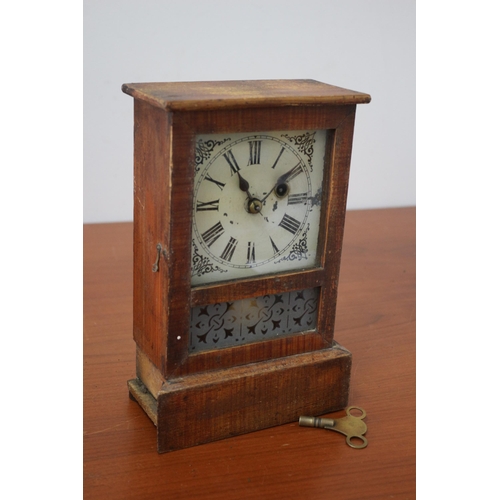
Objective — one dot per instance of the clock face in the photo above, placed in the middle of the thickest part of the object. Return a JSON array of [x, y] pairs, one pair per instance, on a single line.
[[256, 203]]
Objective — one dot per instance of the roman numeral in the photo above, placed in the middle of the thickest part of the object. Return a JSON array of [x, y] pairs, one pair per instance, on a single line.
[[297, 199], [290, 224], [209, 205], [254, 152], [220, 185], [212, 234], [232, 162], [275, 248], [251, 253], [228, 252], [278, 159]]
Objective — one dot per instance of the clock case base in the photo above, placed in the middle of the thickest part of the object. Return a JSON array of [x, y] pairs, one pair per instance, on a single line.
[[209, 406]]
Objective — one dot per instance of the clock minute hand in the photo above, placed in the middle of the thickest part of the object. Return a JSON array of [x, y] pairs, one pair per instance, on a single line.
[[281, 180], [293, 172]]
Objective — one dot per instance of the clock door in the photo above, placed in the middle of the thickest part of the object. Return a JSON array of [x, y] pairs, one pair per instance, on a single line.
[[256, 211], [264, 207]]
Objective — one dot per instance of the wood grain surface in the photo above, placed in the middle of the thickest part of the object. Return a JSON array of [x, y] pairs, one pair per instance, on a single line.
[[375, 321], [163, 213], [242, 93]]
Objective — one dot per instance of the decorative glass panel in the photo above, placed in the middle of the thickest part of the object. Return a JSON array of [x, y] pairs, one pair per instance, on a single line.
[[241, 322]]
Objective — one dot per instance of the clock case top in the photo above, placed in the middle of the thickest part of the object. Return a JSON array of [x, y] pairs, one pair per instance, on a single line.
[[167, 117], [191, 96]]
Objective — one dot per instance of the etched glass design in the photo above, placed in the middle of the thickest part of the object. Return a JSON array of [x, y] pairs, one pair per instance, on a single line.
[[241, 322]]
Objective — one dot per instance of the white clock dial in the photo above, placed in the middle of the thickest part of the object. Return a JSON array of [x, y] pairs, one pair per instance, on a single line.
[[256, 204]]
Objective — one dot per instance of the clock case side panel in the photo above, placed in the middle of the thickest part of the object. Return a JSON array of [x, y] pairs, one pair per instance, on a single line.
[[337, 166], [185, 127], [152, 149]]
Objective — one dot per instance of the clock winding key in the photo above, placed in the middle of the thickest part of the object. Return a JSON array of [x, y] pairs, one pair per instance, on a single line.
[[352, 426]]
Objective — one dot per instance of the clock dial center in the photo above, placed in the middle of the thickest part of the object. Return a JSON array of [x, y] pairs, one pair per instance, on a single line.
[[255, 206], [282, 190]]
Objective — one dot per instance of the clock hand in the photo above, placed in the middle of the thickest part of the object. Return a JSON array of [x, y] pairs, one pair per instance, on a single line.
[[263, 199], [283, 178], [244, 186], [281, 186], [254, 204]]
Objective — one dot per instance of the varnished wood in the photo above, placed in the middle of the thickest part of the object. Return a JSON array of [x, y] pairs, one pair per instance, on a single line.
[[148, 373], [375, 319], [175, 271], [247, 288], [139, 393], [216, 404], [151, 215], [337, 166], [167, 120], [254, 353], [233, 94], [324, 117]]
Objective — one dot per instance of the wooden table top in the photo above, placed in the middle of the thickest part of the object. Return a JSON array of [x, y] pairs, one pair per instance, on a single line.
[[375, 321]]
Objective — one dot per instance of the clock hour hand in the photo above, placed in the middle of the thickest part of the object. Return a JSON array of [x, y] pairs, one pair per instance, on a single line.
[[244, 186], [254, 204]]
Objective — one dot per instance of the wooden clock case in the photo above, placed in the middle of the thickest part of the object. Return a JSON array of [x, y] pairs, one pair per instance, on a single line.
[[198, 398]]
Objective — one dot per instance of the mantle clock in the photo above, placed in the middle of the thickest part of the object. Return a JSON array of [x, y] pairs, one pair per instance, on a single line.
[[240, 192]]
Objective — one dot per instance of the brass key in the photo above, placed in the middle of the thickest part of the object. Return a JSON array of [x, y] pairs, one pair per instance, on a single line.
[[351, 426]]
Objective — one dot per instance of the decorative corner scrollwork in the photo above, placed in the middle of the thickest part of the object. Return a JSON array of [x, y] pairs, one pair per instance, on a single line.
[[203, 265], [304, 143], [299, 250], [204, 150]]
